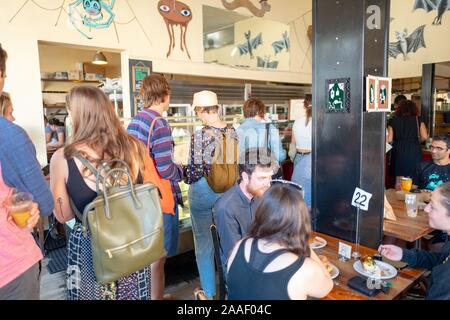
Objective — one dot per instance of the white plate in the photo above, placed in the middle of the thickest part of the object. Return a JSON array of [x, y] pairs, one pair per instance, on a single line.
[[318, 243], [334, 274], [387, 271]]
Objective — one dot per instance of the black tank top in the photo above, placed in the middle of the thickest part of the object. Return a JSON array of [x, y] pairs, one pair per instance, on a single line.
[[77, 188], [248, 281]]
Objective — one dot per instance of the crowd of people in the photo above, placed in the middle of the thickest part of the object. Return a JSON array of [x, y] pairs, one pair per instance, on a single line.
[[263, 222]]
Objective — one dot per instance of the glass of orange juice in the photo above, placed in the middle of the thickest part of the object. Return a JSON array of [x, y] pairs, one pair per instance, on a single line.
[[406, 184], [20, 205]]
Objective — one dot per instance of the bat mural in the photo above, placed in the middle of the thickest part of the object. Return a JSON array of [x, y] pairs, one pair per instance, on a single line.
[[231, 5], [266, 63], [285, 43], [250, 44], [407, 44], [175, 13], [441, 6]]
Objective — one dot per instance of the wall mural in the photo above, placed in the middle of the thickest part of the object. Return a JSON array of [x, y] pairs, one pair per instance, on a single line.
[[176, 13], [266, 63], [250, 44], [86, 15], [231, 5], [92, 13], [285, 43], [407, 44], [441, 6]]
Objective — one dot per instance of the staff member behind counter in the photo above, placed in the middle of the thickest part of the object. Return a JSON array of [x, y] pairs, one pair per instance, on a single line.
[[55, 135]]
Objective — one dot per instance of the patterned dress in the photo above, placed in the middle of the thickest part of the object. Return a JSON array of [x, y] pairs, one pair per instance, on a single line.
[[81, 280]]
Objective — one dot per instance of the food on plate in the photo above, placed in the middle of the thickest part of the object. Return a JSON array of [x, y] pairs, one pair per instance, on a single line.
[[326, 263], [315, 242], [369, 265]]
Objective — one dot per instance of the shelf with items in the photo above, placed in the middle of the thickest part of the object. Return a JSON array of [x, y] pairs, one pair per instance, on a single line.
[[71, 81]]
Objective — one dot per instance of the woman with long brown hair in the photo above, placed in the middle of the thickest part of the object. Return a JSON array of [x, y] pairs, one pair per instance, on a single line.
[[275, 261], [98, 136]]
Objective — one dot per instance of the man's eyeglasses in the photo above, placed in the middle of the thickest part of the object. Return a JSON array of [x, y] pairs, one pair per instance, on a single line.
[[290, 183], [437, 148]]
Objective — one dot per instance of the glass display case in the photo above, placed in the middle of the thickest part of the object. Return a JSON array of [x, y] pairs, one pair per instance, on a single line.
[[182, 129]]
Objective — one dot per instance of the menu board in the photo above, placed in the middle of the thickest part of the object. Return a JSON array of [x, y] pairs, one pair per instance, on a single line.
[[139, 74], [139, 69]]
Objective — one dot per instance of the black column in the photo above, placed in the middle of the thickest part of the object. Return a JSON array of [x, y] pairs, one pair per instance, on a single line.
[[351, 38], [427, 93]]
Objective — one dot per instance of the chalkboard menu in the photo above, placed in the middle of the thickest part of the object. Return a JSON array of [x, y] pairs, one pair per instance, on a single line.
[[139, 69]]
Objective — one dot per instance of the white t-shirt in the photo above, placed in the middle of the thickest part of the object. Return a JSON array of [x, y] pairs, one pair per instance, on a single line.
[[302, 133]]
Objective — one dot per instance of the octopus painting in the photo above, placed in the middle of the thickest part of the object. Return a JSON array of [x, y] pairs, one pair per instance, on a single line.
[[176, 13], [231, 5]]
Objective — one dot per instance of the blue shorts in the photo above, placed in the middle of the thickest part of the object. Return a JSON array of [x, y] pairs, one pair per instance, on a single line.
[[171, 232]]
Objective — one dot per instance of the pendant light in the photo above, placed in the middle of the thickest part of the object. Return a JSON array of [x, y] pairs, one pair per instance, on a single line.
[[99, 59]]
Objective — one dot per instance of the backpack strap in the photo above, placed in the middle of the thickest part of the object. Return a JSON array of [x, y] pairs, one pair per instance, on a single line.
[[150, 132], [268, 136]]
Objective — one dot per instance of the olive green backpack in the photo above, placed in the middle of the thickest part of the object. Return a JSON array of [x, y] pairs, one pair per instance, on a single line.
[[224, 169], [125, 223]]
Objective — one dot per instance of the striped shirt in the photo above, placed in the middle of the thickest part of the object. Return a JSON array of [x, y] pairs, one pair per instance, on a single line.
[[161, 144]]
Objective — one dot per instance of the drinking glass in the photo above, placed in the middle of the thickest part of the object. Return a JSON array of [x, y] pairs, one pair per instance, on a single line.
[[19, 205]]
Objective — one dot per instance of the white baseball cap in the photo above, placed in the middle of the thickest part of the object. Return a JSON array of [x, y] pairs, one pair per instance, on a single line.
[[204, 99]]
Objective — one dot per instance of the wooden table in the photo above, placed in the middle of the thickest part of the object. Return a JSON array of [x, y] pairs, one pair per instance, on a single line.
[[405, 228], [405, 279]]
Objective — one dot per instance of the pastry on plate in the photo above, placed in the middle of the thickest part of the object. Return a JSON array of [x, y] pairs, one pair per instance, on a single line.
[[369, 265], [326, 263]]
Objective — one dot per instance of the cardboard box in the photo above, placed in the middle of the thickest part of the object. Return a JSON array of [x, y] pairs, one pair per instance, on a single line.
[[74, 75], [61, 75]]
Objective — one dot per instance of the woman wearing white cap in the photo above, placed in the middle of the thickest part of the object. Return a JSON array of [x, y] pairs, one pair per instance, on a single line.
[[201, 195]]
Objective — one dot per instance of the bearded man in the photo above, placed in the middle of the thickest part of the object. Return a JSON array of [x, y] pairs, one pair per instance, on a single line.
[[235, 209]]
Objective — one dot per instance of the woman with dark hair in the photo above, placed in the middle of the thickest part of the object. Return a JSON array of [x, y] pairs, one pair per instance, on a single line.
[[275, 261], [439, 263], [407, 132], [55, 133], [302, 139]]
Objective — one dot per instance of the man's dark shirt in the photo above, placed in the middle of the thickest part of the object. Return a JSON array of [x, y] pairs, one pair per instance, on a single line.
[[430, 175]]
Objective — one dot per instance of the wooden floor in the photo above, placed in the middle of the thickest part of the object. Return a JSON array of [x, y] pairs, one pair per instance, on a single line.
[[53, 286]]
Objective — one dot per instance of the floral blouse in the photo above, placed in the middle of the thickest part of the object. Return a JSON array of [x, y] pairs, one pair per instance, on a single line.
[[203, 144]]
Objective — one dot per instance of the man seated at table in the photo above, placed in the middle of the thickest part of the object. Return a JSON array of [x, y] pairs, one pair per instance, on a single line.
[[439, 263], [235, 209], [432, 174]]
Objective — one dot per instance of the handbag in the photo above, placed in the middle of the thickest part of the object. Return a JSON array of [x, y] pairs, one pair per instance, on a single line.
[[125, 223], [152, 175]]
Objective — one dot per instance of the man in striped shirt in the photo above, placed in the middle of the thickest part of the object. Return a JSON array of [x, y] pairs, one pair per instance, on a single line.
[[155, 92]]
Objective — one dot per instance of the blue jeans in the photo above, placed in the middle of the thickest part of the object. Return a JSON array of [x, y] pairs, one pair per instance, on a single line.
[[201, 202], [302, 174], [171, 232]]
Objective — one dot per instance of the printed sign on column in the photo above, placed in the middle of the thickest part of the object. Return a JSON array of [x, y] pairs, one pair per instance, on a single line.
[[378, 94], [371, 94], [384, 94]]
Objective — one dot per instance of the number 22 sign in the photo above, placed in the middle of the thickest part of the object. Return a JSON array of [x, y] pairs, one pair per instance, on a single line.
[[361, 199]]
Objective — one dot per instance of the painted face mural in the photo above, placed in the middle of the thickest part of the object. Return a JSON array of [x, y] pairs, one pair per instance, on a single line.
[[175, 13]]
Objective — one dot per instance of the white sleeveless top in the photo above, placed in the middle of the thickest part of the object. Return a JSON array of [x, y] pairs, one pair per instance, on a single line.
[[302, 133]]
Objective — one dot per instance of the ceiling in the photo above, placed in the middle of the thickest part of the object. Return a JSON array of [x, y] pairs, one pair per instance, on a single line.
[[215, 19]]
